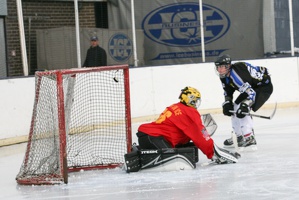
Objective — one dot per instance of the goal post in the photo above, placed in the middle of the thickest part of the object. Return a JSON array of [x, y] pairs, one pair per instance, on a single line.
[[81, 120]]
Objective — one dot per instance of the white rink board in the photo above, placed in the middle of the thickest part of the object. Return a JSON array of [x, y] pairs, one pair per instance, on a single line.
[[151, 88]]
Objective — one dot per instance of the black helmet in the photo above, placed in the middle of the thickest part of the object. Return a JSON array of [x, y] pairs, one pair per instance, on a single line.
[[223, 60]]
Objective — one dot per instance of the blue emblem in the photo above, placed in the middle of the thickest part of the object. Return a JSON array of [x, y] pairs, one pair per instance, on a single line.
[[179, 24], [120, 47]]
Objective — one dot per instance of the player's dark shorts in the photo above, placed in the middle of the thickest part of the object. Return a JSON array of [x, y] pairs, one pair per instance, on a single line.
[[150, 142], [263, 93]]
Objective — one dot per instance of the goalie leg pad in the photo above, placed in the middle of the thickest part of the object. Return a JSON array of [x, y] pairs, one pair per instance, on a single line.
[[152, 158], [182, 148], [132, 162], [162, 157]]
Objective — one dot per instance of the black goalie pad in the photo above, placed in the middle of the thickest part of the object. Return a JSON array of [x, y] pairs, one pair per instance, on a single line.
[[132, 161], [150, 158], [154, 158]]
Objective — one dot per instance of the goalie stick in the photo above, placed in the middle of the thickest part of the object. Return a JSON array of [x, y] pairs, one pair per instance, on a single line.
[[260, 116]]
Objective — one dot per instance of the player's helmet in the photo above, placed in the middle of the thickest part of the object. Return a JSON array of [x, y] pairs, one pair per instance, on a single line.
[[223, 60], [190, 97]]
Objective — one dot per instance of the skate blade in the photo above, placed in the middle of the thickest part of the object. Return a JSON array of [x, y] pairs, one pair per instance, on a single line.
[[249, 148]]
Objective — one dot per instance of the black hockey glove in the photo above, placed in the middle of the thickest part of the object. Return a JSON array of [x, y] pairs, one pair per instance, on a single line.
[[242, 109], [227, 106]]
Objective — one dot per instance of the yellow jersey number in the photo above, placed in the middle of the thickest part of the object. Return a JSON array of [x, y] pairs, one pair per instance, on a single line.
[[165, 114]]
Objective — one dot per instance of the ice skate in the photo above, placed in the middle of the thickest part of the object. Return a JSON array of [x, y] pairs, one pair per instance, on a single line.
[[229, 143], [247, 143], [244, 143]]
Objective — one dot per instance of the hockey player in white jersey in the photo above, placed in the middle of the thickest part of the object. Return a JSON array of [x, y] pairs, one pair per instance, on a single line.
[[255, 87]]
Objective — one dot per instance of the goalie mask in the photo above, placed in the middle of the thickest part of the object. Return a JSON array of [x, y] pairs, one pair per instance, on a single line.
[[222, 65], [190, 97]]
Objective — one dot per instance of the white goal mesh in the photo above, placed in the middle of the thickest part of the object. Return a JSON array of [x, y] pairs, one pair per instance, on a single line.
[[81, 120]]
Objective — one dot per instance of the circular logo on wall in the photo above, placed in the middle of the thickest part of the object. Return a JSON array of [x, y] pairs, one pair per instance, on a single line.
[[120, 47], [179, 24]]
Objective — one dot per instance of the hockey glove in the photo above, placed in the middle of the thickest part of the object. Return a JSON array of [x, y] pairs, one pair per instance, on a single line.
[[243, 109], [227, 106]]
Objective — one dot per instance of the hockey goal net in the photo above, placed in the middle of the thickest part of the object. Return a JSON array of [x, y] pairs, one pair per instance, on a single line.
[[81, 120]]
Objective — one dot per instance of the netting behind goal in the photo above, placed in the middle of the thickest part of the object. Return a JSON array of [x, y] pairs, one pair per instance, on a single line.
[[81, 120]]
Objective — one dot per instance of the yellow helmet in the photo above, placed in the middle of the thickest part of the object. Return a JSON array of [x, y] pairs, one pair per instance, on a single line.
[[190, 97]]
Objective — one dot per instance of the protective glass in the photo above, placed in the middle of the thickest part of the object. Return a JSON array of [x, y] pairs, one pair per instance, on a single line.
[[197, 103]]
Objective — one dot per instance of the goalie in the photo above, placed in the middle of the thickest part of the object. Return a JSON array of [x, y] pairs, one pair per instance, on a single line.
[[178, 132]]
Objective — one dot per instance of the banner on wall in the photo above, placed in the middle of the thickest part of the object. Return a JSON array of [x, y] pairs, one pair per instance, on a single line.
[[56, 47], [171, 28]]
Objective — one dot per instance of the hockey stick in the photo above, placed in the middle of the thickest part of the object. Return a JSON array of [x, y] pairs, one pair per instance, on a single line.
[[260, 116], [235, 141]]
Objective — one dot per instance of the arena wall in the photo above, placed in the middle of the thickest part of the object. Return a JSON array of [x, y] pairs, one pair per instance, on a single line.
[[152, 89]]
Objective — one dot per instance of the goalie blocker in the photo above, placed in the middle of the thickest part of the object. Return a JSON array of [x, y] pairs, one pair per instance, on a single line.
[[161, 159]]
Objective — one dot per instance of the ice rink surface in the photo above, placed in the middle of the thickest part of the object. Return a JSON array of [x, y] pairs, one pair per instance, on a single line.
[[271, 172]]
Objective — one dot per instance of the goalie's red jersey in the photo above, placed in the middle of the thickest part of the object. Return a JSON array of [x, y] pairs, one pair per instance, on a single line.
[[179, 124]]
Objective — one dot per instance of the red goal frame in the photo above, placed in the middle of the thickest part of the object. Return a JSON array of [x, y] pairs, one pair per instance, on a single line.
[[64, 170]]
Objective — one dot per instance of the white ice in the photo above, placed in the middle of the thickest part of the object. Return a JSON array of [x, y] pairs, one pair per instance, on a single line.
[[271, 172]]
